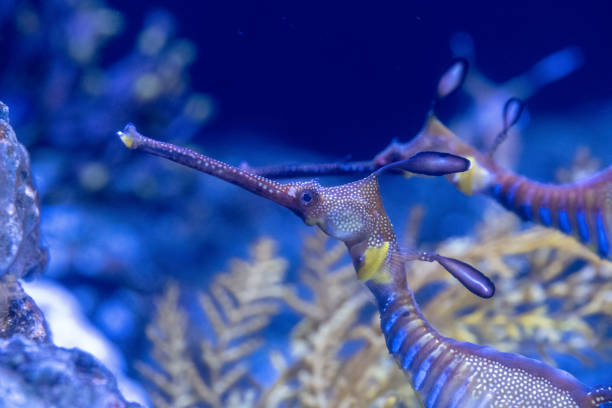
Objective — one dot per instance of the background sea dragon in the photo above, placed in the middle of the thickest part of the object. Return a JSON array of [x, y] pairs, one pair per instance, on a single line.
[[582, 209], [443, 371]]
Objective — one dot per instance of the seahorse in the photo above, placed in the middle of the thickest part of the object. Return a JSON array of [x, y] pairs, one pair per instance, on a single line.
[[582, 209], [444, 372]]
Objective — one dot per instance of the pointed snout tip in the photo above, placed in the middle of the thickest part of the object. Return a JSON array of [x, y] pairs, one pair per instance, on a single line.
[[129, 136]]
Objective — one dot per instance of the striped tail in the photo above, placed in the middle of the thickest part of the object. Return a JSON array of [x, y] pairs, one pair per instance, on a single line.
[[450, 374], [437, 372], [580, 209]]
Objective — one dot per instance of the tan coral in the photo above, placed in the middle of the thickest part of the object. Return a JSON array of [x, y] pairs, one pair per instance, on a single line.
[[531, 267]]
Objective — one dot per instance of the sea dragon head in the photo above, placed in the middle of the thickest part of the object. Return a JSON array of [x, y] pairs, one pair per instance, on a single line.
[[352, 213]]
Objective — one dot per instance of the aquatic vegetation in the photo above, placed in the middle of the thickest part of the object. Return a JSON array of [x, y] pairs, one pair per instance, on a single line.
[[78, 90], [549, 298], [69, 85], [318, 371], [527, 266], [237, 308]]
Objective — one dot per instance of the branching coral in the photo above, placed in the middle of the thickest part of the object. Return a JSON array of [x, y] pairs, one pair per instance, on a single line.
[[551, 291], [237, 308], [549, 285], [322, 371], [338, 356]]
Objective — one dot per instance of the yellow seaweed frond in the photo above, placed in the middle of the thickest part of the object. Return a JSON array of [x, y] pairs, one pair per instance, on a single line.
[[319, 372], [550, 291], [238, 306], [338, 357], [179, 384], [548, 285]]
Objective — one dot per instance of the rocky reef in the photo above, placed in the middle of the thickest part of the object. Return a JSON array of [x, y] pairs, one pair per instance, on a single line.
[[19, 314], [36, 375], [21, 256], [33, 371]]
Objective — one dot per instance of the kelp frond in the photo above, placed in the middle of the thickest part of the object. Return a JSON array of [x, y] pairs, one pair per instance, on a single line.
[[237, 307], [553, 295], [549, 286]]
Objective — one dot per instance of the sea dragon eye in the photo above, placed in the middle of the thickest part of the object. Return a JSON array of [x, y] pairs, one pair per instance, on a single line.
[[307, 197]]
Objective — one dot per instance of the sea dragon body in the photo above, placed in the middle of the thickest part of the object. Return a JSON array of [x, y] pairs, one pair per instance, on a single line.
[[582, 209], [444, 372]]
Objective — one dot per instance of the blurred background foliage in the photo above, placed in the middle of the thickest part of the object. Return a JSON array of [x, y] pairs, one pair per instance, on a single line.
[[272, 82]]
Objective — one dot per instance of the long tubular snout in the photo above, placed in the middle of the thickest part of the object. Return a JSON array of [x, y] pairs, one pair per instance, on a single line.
[[279, 193]]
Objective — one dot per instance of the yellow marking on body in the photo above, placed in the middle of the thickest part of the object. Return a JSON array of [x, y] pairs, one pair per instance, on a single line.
[[472, 180], [373, 259], [127, 139], [464, 180], [390, 402]]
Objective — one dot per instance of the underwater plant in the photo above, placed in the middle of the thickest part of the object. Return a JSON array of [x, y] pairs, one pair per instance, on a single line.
[[443, 371], [239, 306], [317, 373], [338, 313]]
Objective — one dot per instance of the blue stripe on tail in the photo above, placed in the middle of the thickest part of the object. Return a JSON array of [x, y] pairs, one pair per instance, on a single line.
[[583, 228], [602, 239], [545, 216], [458, 396], [497, 188], [525, 211], [564, 222], [440, 383], [511, 193], [412, 351], [395, 315], [394, 343], [419, 379]]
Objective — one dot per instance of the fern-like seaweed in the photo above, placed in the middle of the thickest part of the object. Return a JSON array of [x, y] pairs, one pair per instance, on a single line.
[[553, 296]]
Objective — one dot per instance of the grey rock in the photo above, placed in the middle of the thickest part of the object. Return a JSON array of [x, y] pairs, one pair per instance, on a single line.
[[19, 314], [33, 372], [21, 255], [37, 375]]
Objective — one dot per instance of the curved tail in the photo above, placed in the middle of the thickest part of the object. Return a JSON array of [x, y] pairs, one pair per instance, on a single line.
[[579, 209], [601, 395]]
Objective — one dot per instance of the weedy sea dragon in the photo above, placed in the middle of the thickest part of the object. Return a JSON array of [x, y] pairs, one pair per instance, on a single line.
[[582, 209], [444, 372]]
